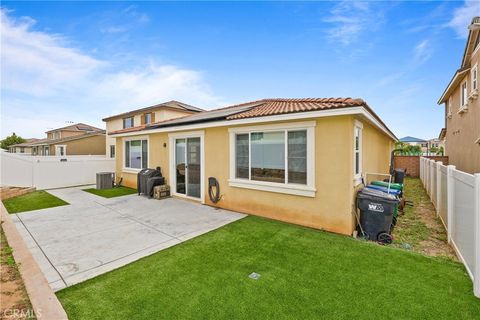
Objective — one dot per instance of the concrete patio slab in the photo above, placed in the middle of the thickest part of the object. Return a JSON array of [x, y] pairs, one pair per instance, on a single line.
[[94, 235]]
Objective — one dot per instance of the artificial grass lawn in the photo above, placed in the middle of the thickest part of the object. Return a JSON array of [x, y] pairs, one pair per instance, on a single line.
[[113, 192], [304, 274], [32, 201]]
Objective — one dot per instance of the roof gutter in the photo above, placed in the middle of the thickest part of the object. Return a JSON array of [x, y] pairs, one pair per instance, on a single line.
[[360, 110]]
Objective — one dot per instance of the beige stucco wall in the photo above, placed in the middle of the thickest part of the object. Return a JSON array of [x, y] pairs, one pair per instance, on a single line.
[[27, 150], [376, 150], [65, 134], [94, 145], [463, 129], [332, 207]]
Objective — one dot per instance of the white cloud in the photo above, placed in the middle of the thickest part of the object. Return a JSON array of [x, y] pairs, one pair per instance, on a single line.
[[122, 21], [422, 52], [38, 63], [463, 16], [46, 80], [350, 19]]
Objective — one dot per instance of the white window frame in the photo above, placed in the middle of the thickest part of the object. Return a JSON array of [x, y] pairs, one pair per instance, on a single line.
[[474, 78], [134, 138], [145, 117], [173, 177], [463, 96], [449, 107], [114, 151], [56, 135], [57, 152], [357, 177], [123, 122], [307, 190]]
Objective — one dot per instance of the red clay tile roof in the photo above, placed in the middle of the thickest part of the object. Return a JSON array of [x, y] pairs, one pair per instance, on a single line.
[[131, 129], [260, 108], [270, 107], [77, 127]]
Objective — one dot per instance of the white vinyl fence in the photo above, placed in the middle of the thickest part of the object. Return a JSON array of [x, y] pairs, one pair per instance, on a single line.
[[456, 197], [46, 172]]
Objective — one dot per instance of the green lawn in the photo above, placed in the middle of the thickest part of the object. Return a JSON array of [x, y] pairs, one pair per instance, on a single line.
[[113, 192], [32, 201], [305, 274]]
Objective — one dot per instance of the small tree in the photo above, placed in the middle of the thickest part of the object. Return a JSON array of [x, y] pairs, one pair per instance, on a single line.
[[440, 151], [11, 140]]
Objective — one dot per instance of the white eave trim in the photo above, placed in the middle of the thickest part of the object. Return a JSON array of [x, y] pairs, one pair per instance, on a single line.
[[450, 85], [281, 117]]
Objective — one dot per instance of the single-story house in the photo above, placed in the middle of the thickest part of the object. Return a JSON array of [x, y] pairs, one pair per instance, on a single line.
[[24, 147], [295, 160]]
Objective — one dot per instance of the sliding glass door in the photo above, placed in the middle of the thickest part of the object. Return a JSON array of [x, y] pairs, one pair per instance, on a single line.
[[188, 166]]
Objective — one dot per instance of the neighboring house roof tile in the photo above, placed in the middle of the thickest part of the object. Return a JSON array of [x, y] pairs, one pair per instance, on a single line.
[[131, 129], [170, 104], [260, 108], [81, 127], [411, 139], [57, 141], [442, 134], [27, 143]]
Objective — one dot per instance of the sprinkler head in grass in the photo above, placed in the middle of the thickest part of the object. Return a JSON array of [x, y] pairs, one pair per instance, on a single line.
[[407, 246], [254, 276]]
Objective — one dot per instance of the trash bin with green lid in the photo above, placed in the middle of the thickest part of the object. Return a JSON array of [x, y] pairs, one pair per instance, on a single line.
[[394, 186], [376, 214]]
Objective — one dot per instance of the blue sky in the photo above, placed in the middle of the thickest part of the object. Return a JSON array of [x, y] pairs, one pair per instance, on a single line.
[[80, 62]]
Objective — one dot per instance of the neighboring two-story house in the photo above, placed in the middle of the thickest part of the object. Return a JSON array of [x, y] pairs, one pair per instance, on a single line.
[[462, 108], [75, 139], [141, 118]]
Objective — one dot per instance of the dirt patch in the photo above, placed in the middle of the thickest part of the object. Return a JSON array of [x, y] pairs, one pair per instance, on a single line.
[[419, 228], [15, 303]]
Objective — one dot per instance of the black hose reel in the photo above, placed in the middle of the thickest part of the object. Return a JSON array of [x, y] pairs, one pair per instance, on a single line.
[[213, 189]]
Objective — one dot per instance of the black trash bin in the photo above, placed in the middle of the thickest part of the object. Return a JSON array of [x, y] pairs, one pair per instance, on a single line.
[[376, 214], [399, 175]]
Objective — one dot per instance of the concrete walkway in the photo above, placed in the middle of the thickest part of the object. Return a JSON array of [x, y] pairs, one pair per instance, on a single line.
[[94, 235]]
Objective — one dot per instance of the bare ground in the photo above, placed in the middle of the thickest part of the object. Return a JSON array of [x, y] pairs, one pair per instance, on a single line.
[[419, 228], [14, 299]]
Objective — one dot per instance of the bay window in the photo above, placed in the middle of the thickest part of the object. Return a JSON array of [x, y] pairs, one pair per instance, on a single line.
[[136, 154], [277, 158]]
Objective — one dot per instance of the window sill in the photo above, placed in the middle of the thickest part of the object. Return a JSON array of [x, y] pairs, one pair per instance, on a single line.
[[463, 109], [473, 95], [298, 190], [357, 181], [131, 170]]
